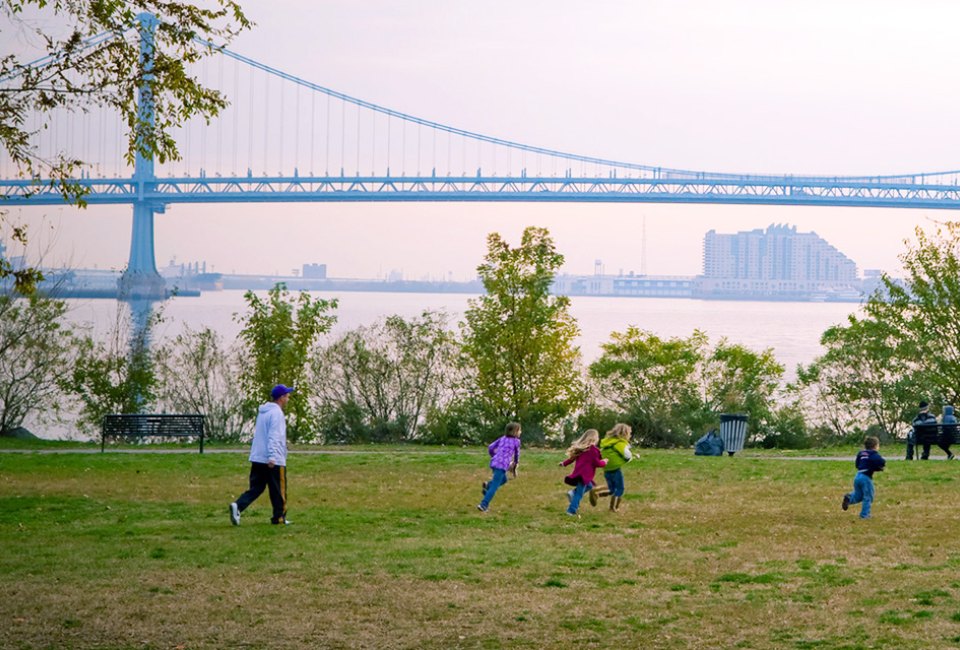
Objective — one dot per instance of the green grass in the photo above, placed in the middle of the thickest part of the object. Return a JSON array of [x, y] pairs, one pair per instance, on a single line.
[[387, 550]]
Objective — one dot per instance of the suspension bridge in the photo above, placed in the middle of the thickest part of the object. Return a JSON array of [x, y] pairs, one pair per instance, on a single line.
[[286, 139]]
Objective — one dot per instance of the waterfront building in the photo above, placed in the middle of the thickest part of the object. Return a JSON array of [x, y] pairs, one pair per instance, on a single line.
[[778, 263]]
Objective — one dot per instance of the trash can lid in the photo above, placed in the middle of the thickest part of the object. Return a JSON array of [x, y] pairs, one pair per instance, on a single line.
[[733, 417]]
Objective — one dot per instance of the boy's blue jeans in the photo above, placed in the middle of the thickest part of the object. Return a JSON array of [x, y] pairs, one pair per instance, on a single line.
[[615, 482], [578, 493], [862, 493], [499, 478]]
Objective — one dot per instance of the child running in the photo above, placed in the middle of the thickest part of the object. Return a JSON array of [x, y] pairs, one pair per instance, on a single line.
[[504, 455], [868, 461], [586, 458], [615, 449]]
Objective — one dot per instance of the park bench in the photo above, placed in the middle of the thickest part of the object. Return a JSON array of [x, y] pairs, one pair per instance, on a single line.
[[926, 434], [152, 425]]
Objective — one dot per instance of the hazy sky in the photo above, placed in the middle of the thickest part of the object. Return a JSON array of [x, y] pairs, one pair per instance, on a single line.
[[853, 87]]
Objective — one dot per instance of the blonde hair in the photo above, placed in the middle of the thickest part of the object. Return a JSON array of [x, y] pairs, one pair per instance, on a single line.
[[589, 438], [619, 430]]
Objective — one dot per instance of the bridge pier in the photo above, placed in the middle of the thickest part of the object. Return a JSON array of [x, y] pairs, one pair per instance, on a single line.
[[140, 280]]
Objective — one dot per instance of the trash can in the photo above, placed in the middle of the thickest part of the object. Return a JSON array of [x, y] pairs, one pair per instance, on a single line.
[[733, 431]]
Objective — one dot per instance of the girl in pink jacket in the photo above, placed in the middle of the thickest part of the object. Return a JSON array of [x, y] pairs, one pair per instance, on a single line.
[[585, 456]]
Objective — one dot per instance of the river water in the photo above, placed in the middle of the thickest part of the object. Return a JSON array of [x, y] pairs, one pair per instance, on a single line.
[[792, 329]]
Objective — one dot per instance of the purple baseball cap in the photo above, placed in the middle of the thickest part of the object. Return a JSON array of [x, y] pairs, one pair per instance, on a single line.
[[279, 391]]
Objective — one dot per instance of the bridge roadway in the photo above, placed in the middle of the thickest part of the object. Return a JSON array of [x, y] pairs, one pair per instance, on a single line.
[[899, 192]]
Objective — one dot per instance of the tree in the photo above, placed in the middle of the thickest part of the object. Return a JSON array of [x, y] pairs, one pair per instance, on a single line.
[[520, 339], [278, 333], [671, 389], [115, 375], [904, 347], [735, 379], [36, 350], [196, 374], [859, 380], [652, 382], [25, 278], [380, 382], [921, 312]]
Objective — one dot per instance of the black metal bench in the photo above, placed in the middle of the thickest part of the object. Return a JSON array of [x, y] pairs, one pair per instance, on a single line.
[[152, 425], [926, 434]]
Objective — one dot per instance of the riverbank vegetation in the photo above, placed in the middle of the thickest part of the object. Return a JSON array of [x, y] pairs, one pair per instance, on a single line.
[[513, 357]]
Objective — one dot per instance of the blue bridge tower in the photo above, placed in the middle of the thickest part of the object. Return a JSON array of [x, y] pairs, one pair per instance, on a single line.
[[140, 280]]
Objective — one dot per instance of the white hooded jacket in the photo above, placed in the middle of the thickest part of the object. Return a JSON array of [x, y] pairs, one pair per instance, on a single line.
[[269, 436]]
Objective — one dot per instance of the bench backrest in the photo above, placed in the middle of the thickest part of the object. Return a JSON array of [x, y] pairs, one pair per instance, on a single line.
[[161, 425], [926, 434]]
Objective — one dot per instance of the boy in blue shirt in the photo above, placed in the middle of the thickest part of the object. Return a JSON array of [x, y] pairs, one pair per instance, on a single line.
[[868, 461]]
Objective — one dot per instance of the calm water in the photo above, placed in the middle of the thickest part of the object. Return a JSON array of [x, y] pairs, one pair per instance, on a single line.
[[792, 329]]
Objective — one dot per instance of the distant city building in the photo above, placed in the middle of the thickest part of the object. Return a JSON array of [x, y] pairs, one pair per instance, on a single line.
[[315, 271], [777, 263], [653, 286]]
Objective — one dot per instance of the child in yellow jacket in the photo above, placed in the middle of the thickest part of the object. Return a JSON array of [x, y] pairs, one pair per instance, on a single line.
[[615, 449]]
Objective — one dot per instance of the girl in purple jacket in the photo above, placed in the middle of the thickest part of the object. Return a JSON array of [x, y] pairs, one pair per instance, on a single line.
[[504, 455], [585, 456]]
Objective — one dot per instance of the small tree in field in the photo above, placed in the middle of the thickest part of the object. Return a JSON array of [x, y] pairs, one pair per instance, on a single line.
[[859, 381], [278, 333], [736, 379], [197, 374], [380, 382], [115, 375], [670, 389], [520, 339], [36, 353], [652, 381], [922, 313]]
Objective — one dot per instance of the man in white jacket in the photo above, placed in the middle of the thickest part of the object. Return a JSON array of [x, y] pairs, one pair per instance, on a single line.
[[268, 458]]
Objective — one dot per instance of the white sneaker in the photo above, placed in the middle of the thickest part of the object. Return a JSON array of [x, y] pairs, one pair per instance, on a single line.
[[570, 496], [234, 514]]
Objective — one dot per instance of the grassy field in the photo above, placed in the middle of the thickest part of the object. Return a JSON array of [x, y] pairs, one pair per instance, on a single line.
[[387, 550]]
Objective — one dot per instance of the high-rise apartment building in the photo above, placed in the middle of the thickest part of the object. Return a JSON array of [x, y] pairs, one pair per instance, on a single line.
[[774, 263]]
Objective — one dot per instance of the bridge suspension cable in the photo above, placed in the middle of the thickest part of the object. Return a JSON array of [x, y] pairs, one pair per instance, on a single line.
[[269, 132]]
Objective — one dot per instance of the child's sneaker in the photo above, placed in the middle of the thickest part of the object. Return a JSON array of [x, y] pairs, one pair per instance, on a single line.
[[846, 501], [593, 497], [483, 486], [234, 514], [481, 508], [570, 496]]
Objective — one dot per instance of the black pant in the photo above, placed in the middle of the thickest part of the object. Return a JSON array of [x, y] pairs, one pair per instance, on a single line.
[[911, 446], [275, 478]]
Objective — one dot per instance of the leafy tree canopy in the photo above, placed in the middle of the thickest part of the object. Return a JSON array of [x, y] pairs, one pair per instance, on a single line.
[[278, 334], [520, 339]]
